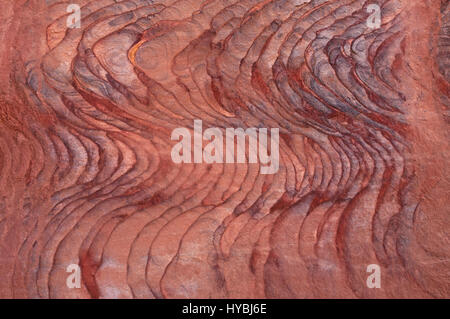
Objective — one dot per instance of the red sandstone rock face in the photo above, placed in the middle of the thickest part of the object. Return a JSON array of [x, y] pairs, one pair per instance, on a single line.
[[86, 175]]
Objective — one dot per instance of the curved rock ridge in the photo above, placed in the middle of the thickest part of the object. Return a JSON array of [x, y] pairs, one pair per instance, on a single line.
[[87, 177]]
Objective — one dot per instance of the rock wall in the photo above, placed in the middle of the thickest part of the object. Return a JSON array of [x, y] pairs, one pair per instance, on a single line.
[[87, 177]]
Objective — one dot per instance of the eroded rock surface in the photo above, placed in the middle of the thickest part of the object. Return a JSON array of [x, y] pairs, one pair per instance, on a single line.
[[86, 175]]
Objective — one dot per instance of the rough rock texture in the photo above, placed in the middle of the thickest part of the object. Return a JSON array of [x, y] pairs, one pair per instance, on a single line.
[[86, 175]]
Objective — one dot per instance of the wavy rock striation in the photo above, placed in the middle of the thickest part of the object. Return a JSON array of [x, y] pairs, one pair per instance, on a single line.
[[86, 175]]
